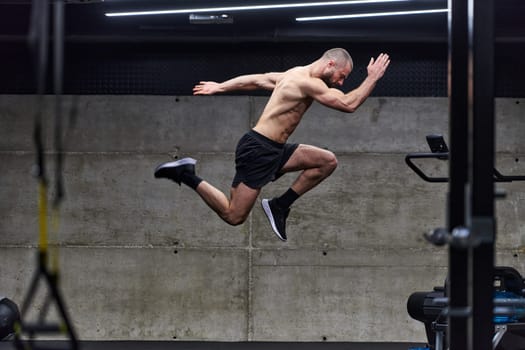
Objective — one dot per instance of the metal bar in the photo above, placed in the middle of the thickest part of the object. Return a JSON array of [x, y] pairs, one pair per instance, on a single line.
[[499, 177], [458, 260], [58, 65], [419, 172], [481, 108], [500, 332]]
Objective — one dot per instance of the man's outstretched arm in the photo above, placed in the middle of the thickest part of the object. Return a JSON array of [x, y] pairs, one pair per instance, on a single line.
[[264, 81], [350, 101]]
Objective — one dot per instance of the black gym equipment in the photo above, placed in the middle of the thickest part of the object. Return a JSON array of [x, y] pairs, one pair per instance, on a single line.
[[433, 307], [439, 150], [27, 331], [9, 318]]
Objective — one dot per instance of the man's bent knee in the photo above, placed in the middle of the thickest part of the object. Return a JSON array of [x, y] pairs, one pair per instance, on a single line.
[[331, 162], [234, 219], [241, 203]]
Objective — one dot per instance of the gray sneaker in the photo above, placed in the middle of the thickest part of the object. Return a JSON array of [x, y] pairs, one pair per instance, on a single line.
[[174, 170]]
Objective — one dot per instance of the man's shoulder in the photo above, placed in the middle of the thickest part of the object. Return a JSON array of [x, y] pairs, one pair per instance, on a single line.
[[301, 75]]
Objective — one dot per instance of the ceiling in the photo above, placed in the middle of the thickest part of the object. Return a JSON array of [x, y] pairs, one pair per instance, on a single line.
[[86, 22]]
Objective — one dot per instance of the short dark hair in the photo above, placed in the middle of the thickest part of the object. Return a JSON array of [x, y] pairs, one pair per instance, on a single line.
[[339, 55]]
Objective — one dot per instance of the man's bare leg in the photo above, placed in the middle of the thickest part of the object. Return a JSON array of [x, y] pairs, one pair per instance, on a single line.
[[233, 210], [316, 165]]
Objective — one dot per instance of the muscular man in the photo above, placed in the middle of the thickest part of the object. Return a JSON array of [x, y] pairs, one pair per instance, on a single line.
[[262, 154]]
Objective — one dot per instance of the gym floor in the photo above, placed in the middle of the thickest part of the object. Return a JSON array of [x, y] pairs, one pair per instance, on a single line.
[[198, 345]]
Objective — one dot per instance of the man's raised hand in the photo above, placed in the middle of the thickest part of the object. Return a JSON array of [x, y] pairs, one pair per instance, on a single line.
[[376, 68]]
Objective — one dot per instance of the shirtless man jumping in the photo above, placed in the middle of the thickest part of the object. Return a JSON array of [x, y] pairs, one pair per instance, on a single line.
[[262, 154]]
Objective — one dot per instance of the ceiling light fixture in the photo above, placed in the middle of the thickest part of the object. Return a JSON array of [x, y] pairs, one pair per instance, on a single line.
[[210, 19], [247, 7], [362, 15]]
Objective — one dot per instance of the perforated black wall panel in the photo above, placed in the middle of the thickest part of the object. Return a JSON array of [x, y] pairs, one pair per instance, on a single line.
[[173, 69]]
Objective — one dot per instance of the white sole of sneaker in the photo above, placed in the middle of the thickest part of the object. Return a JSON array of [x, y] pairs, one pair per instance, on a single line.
[[266, 207], [176, 163]]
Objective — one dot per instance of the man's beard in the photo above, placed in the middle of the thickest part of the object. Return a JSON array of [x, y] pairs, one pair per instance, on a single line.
[[327, 80]]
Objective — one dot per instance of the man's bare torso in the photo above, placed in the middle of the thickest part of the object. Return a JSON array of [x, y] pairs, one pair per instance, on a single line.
[[286, 106]]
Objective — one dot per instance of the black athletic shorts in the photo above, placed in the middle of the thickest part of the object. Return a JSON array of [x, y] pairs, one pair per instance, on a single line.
[[259, 160]]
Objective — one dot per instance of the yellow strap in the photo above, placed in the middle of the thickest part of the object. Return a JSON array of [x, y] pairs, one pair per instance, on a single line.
[[53, 249], [42, 216]]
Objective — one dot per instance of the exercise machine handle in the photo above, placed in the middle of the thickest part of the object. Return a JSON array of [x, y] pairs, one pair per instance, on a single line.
[[499, 177], [421, 173]]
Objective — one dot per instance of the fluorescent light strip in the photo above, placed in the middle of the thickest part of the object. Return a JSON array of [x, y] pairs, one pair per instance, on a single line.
[[248, 7], [362, 15]]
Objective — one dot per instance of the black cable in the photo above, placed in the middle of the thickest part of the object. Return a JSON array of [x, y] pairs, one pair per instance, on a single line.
[[58, 81], [37, 40]]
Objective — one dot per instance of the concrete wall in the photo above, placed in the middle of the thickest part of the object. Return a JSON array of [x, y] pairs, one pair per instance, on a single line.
[[145, 259]]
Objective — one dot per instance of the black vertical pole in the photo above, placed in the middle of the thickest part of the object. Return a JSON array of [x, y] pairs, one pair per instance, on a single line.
[[481, 103], [58, 70], [458, 171]]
